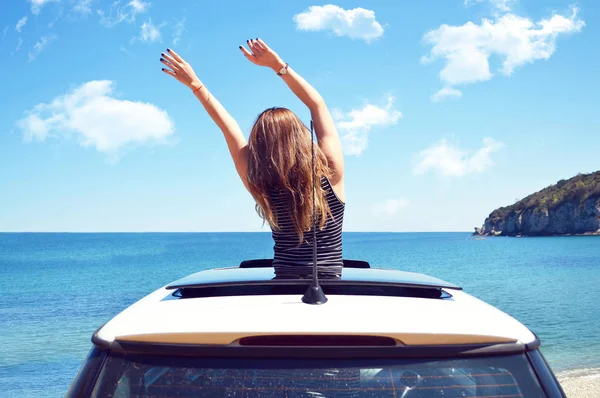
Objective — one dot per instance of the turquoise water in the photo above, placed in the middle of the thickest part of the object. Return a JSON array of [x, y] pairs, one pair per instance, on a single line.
[[56, 289]]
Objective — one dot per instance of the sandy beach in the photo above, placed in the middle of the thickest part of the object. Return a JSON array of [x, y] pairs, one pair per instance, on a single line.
[[584, 383]]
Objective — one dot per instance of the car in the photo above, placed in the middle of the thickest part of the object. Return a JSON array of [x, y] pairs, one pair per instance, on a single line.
[[241, 332]]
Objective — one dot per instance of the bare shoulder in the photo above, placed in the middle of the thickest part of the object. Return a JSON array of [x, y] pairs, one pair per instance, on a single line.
[[338, 189]]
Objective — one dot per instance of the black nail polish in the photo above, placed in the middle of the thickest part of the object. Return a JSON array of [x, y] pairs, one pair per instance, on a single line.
[[162, 54], [161, 60], [240, 47], [257, 39], [168, 49], [163, 69]]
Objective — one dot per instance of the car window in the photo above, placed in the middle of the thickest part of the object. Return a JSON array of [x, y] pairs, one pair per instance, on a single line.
[[145, 376]]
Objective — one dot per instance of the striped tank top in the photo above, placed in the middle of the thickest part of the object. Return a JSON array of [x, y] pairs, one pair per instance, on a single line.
[[293, 261]]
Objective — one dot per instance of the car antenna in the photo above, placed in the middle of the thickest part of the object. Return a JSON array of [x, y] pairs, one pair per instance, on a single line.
[[314, 294]]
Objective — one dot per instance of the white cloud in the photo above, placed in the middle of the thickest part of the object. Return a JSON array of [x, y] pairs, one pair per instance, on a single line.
[[139, 6], [150, 33], [20, 24], [40, 45], [36, 5], [357, 23], [444, 93], [118, 13], [390, 206], [95, 118], [178, 31], [19, 44], [449, 160], [355, 125], [83, 7], [515, 40], [501, 5]]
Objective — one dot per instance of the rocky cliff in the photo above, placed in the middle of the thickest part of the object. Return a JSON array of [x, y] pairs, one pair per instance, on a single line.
[[569, 207]]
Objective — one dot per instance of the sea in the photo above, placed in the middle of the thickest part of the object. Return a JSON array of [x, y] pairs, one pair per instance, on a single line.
[[56, 289]]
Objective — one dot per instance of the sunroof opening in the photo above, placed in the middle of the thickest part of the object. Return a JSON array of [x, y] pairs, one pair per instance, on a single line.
[[298, 289], [350, 276]]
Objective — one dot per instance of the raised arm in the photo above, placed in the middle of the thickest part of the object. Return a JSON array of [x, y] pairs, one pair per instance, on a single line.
[[327, 135], [238, 147]]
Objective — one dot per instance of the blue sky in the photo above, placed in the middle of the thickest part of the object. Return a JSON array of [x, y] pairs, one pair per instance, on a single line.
[[447, 109]]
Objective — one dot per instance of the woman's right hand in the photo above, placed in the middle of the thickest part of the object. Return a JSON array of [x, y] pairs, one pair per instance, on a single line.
[[260, 54], [179, 69]]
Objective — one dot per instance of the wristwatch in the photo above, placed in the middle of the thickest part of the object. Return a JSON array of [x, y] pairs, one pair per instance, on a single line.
[[283, 70]]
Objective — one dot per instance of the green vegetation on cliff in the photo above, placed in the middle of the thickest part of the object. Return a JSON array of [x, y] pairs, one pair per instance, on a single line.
[[576, 190]]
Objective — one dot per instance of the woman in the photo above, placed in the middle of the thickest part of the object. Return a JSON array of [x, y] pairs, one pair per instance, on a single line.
[[275, 166]]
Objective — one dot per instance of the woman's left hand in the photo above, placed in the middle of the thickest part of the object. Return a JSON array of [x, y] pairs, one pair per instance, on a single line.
[[179, 69]]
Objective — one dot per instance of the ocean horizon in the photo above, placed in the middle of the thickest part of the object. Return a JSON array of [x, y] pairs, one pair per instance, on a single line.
[[60, 287]]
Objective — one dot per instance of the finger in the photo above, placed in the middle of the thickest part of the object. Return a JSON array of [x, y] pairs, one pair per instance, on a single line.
[[253, 47], [247, 53], [170, 59], [168, 72], [250, 47], [175, 55], [256, 48], [168, 64], [263, 44]]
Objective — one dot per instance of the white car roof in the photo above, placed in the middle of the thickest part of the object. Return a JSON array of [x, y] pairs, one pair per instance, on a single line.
[[457, 318]]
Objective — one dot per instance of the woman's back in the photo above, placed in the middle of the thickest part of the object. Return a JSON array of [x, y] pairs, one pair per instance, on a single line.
[[293, 260], [280, 152]]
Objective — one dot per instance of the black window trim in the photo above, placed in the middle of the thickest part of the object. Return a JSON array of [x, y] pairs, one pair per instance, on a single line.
[[88, 374], [545, 375]]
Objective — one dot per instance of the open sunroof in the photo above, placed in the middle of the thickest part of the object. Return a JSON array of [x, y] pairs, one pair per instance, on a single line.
[[257, 276]]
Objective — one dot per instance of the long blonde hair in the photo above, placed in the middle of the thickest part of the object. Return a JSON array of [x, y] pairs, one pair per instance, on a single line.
[[280, 159]]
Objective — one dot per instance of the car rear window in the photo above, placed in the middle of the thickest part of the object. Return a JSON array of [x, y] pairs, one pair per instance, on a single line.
[[152, 376]]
